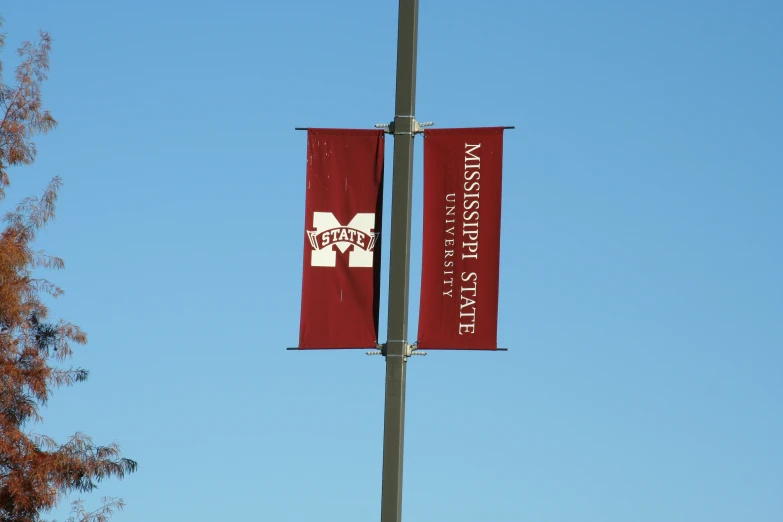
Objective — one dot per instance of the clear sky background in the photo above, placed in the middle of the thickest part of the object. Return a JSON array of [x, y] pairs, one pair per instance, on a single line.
[[641, 267]]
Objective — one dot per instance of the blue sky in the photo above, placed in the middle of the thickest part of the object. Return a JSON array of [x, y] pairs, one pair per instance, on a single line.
[[641, 266]]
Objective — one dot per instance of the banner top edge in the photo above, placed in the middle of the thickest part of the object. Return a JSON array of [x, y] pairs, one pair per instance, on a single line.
[[465, 130], [343, 132]]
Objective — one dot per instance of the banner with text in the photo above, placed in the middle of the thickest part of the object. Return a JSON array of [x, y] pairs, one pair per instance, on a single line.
[[342, 252], [461, 252]]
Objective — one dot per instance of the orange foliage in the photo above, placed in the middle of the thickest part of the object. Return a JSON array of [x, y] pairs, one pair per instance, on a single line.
[[36, 472]]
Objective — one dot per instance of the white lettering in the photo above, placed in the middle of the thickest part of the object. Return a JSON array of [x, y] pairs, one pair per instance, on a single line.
[[467, 307]]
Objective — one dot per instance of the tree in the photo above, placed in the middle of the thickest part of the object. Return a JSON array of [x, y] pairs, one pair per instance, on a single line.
[[36, 472]]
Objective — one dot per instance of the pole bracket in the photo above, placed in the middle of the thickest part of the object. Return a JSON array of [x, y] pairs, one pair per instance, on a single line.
[[410, 350], [418, 127], [413, 349]]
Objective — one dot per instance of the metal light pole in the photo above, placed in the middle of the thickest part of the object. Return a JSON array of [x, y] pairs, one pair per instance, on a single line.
[[397, 349]]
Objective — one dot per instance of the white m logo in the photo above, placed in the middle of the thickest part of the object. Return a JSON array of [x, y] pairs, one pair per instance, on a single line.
[[330, 233]]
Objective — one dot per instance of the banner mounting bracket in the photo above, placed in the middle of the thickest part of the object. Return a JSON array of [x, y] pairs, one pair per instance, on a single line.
[[410, 350], [418, 127]]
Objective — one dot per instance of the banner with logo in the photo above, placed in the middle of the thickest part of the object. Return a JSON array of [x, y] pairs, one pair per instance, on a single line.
[[342, 253], [461, 253]]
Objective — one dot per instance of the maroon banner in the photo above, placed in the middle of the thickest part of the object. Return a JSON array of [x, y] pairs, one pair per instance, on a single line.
[[461, 254], [342, 253]]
